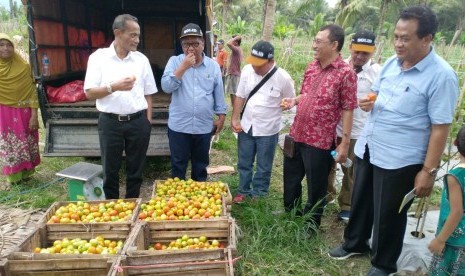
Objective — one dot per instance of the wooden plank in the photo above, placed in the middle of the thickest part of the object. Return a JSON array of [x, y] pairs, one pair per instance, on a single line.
[[16, 256], [80, 272], [109, 235], [222, 234], [209, 271], [213, 223], [58, 264], [179, 263]]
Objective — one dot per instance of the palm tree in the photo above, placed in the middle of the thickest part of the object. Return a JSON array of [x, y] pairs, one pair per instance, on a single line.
[[268, 22], [224, 15], [12, 14]]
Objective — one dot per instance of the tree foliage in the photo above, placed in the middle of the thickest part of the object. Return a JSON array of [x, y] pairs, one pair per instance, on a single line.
[[237, 27], [305, 16]]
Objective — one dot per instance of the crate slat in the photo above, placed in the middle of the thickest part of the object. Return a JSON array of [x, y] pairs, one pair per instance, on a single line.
[[177, 263]]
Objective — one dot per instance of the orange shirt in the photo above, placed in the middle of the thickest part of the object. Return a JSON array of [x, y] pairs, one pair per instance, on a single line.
[[222, 59]]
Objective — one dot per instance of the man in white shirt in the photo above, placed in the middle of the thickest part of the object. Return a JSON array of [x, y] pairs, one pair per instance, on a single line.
[[361, 51], [121, 81], [258, 129]]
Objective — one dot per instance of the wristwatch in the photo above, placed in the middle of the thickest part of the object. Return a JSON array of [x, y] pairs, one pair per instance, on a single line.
[[432, 172], [109, 89]]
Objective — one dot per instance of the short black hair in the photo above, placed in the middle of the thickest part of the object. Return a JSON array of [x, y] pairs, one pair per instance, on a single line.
[[336, 33], [460, 141], [120, 21], [427, 19]]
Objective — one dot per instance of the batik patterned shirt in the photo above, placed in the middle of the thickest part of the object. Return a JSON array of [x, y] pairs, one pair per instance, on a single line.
[[324, 94]]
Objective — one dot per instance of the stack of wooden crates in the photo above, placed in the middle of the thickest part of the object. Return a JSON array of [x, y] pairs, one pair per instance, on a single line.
[[134, 258]]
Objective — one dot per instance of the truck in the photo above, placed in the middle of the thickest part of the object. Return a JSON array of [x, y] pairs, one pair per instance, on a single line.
[[68, 31]]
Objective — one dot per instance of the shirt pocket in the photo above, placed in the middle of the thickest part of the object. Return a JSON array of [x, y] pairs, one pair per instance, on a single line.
[[207, 83], [271, 96], [409, 101]]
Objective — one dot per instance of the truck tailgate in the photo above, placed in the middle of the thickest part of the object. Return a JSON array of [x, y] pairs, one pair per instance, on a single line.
[[79, 137]]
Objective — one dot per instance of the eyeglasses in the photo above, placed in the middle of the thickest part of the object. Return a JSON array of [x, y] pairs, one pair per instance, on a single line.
[[318, 42], [186, 45]]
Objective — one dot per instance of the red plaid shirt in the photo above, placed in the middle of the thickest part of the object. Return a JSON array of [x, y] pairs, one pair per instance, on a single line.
[[324, 94]]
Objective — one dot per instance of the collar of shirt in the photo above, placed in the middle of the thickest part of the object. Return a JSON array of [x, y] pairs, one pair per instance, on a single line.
[[422, 64], [338, 62], [112, 52]]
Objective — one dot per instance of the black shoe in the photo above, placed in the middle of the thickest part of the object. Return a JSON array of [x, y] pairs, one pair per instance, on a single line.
[[344, 216], [377, 272], [339, 253]]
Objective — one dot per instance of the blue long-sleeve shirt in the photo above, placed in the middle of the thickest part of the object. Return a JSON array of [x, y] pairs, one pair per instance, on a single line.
[[196, 98]]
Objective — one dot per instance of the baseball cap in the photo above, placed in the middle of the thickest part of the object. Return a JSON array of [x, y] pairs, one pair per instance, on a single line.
[[363, 41], [261, 52], [220, 41], [191, 29]]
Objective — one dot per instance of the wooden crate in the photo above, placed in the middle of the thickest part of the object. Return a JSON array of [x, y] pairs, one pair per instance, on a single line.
[[177, 262], [23, 261], [226, 198], [114, 228]]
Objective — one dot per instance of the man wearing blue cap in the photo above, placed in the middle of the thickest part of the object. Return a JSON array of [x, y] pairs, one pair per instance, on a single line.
[[194, 81]]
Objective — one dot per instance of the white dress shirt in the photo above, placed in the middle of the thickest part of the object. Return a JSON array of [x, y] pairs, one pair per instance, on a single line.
[[263, 111], [104, 66]]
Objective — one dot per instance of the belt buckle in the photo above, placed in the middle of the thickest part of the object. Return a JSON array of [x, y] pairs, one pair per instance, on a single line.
[[124, 118]]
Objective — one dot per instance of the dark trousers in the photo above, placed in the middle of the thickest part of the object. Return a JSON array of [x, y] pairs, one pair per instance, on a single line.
[[315, 164], [193, 147], [376, 198], [133, 137]]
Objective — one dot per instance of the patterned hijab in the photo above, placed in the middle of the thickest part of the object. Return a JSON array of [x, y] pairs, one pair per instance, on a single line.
[[17, 87]]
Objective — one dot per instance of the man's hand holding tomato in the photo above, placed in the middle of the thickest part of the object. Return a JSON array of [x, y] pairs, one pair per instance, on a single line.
[[366, 103]]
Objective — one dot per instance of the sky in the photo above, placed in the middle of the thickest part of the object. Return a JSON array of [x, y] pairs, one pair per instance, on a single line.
[[331, 3], [6, 3]]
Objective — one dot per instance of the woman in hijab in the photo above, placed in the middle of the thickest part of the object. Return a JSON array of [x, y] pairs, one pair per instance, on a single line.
[[19, 149]]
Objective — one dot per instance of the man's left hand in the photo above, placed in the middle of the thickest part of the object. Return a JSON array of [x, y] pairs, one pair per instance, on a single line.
[[342, 153], [219, 123], [423, 184]]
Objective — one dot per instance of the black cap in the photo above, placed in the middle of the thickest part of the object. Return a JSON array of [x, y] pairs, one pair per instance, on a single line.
[[363, 41], [261, 52], [191, 29]]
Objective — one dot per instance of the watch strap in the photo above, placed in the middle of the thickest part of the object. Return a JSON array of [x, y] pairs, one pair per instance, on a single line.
[[109, 88], [430, 171]]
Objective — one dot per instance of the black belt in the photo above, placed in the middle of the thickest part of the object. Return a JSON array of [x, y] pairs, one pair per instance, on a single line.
[[125, 118]]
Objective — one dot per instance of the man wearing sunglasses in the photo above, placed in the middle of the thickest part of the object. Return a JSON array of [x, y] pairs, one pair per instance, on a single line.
[[195, 83]]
